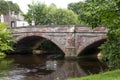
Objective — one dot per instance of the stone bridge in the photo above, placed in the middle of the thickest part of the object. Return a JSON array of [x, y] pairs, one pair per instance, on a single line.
[[72, 40]]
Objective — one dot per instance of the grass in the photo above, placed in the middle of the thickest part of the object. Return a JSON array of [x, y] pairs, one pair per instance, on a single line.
[[110, 75]]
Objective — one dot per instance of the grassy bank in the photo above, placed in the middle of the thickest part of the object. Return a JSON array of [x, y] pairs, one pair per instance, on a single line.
[[110, 75]]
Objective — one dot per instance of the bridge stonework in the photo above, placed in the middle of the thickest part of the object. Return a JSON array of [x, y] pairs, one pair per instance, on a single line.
[[70, 39]]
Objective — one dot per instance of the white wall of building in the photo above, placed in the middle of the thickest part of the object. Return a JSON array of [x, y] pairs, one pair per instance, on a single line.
[[21, 23], [1, 18]]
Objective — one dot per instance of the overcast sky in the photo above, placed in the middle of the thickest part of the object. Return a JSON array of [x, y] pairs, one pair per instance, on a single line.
[[59, 3]]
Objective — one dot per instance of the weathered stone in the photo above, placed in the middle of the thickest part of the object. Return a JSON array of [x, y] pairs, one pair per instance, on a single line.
[[70, 39]]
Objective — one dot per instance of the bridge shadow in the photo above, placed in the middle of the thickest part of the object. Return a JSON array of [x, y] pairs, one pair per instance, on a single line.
[[92, 50], [92, 65], [37, 45]]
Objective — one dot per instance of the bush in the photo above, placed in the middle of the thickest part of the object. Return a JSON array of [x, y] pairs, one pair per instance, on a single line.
[[5, 38], [111, 49]]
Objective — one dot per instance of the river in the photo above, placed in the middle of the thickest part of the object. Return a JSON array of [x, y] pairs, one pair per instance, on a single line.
[[33, 67]]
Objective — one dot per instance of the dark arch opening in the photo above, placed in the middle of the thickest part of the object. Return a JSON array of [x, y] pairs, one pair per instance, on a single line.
[[39, 46], [92, 50]]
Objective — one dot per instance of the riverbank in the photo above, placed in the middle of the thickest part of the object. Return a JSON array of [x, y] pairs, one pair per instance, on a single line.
[[110, 75]]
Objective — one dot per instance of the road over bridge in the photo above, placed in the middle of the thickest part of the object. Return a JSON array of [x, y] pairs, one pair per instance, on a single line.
[[72, 40]]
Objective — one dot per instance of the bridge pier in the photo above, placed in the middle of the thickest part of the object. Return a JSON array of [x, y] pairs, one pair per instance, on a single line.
[[70, 52]]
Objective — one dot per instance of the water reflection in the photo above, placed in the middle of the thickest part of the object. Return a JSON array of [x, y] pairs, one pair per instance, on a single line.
[[32, 67], [51, 65], [5, 67], [5, 64]]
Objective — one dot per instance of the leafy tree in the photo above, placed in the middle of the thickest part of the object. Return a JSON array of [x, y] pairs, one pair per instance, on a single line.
[[63, 16], [111, 49], [47, 15], [3, 7], [37, 12], [5, 38], [86, 12], [13, 7], [6, 6], [75, 7], [110, 16]]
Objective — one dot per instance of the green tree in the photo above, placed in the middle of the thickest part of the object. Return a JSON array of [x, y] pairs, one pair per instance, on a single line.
[[75, 7], [86, 12], [6, 6], [64, 16], [5, 39], [13, 7], [47, 15], [3, 7], [37, 12], [110, 16]]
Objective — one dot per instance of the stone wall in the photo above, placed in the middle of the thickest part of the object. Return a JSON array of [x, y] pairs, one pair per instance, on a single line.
[[70, 39]]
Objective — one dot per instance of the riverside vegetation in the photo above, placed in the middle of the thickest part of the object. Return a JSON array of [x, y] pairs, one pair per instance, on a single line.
[[91, 12], [5, 39]]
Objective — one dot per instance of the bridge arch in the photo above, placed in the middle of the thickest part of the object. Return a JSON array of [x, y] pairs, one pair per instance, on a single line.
[[72, 43], [33, 41], [92, 47]]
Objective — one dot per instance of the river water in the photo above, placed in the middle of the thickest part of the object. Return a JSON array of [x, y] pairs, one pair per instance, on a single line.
[[33, 67]]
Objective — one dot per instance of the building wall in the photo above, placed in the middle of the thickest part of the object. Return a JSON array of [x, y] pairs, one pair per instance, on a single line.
[[13, 20]]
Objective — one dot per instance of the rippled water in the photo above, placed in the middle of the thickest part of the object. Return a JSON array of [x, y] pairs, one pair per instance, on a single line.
[[32, 67]]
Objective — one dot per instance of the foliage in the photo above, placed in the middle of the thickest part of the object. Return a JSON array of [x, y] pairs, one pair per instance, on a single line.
[[6, 6], [5, 38], [63, 16], [87, 12], [111, 49], [49, 15], [13, 7], [110, 16], [75, 7], [79, 10], [3, 7], [105, 13], [110, 75]]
